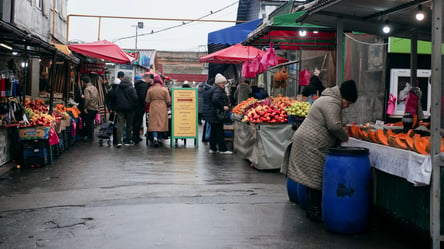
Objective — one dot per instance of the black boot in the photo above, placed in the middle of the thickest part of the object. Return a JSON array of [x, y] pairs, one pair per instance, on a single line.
[[314, 208]]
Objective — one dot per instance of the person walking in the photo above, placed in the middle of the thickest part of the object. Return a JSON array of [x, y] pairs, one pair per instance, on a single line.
[[242, 92], [90, 107], [206, 109], [141, 84], [158, 98], [200, 101], [218, 101], [124, 100], [321, 129]]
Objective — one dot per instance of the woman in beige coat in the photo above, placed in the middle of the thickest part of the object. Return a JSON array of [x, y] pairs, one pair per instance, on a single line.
[[321, 129], [158, 99]]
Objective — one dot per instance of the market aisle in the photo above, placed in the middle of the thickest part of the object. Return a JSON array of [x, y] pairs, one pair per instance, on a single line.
[[144, 197]]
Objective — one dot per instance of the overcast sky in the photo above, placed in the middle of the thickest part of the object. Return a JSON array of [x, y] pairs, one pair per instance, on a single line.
[[190, 37]]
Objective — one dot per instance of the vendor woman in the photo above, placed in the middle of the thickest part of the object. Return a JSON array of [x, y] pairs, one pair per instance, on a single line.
[[321, 129]]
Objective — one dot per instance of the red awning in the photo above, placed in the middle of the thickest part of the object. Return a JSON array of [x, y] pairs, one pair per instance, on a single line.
[[235, 54], [103, 50]]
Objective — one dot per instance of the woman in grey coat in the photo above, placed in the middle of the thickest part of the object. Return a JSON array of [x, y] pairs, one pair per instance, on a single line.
[[321, 129]]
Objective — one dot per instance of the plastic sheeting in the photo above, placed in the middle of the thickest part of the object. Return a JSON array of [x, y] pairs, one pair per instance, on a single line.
[[263, 145], [413, 167]]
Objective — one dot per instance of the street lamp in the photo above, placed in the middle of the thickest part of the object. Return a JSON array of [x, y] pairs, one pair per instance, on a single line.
[[139, 25]]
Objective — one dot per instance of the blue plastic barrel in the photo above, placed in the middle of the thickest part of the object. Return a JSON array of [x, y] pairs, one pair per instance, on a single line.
[[346, 190], [292, 190], [302, 196]]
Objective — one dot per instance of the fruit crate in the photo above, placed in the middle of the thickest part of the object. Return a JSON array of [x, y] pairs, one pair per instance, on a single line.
[[35, 157], [295, 120]]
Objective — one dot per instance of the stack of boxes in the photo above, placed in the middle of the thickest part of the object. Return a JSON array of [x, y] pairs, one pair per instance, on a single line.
[[36, 149]]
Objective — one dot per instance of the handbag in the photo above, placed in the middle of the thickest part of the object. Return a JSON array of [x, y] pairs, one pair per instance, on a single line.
[[223, 116]]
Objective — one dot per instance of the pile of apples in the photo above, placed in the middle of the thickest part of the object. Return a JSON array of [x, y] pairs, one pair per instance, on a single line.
[[41, 119], [299, 109], [37, 105], [264, 112], [242, 105], [282, 101]]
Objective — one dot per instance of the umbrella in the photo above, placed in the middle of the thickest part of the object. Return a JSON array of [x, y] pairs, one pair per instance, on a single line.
[[235, 54], [103, 50]]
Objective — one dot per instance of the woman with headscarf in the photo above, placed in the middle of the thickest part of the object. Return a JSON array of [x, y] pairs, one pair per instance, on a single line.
[[158, 99], [321, 129]]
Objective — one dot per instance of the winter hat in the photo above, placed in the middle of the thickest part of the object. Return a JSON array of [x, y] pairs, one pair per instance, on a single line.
[[138, 77], [349, 91], [116, 81], [220, 79]]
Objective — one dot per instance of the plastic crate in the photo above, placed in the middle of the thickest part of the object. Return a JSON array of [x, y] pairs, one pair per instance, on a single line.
[[35, 157]]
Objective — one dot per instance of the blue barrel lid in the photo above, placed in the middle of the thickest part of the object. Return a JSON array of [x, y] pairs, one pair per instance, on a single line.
[[346, 150]]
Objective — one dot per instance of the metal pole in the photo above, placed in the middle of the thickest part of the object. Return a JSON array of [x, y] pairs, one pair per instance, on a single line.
[[339, 50], [136, 37], [52, 82], [414, 60], [436, 81], [100, 24]]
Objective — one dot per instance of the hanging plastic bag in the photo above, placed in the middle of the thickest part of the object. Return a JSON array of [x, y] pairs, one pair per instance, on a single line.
[[53, 138], [246, 70], [304, 77], [391, 105], [270, 58], [256, 66], [411, 103]]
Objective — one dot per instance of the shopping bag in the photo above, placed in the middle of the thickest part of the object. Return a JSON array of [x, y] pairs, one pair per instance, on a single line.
[[391, 105], [207, 131]]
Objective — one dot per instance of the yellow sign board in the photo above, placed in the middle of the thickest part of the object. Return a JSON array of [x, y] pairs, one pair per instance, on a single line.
[[184, 113]]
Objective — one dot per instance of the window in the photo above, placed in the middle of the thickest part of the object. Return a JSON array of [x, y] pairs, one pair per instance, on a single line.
[[398, 80], [39, 4]]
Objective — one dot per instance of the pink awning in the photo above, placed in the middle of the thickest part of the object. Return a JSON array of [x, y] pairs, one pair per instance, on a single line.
[[103, 50], [235, 54]]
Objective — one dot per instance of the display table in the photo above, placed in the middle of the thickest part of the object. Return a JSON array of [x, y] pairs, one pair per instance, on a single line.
[[263, 145], [412, 166], [400, 184]]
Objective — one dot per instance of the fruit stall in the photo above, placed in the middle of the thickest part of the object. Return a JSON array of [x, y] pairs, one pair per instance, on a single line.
[[41, 136], [263, 129]]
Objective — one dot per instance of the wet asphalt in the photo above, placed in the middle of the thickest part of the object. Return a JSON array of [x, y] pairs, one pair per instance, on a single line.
[[166, 197]]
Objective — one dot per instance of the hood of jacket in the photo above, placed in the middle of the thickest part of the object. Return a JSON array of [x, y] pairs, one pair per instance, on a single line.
[[139, 82], [124, 84], [333, 92]]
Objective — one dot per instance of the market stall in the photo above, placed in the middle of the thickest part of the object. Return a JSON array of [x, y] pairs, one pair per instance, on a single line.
[[263, 129]]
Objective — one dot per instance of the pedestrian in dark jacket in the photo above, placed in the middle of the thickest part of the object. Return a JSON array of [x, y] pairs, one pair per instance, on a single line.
[[141, 84], [124, 100], [218, 101], [259, 92], [206, 102]]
